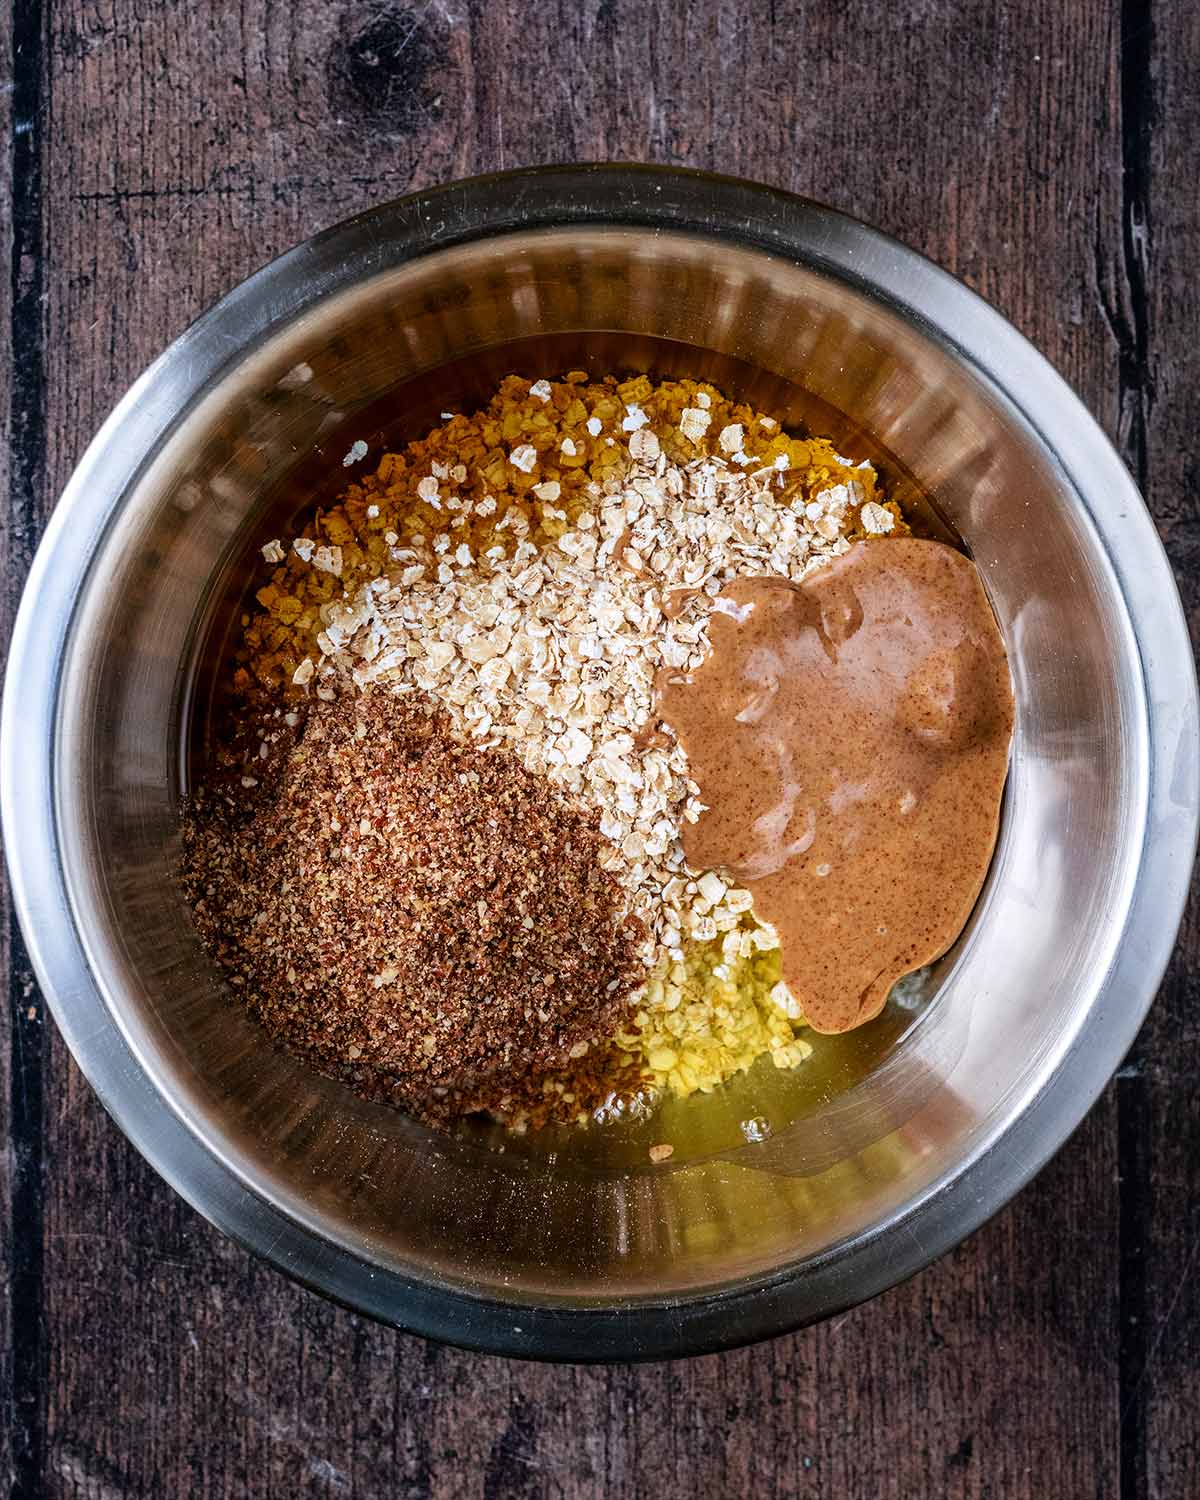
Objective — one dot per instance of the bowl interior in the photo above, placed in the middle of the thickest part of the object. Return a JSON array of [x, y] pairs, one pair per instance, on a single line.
[[778, 1168]]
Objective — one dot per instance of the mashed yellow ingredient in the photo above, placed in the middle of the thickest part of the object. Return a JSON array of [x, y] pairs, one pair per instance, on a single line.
[[706, 1018]]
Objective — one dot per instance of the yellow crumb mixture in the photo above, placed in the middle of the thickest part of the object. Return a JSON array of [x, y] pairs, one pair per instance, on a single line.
[[706, 1018], [579, 439]]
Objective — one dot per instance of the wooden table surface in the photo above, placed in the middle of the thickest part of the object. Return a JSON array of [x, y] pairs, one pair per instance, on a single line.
[[1046, 151]]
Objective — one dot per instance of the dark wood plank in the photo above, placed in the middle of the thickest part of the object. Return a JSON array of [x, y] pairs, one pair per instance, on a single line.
[[185, 145], [9, 574], [1159, 1401], [22, 400]]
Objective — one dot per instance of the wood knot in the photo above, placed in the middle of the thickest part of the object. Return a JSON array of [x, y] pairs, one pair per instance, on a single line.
[[387, 70]]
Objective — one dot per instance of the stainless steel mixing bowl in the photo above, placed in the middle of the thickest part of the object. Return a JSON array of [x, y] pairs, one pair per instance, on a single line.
[[887, 1154]]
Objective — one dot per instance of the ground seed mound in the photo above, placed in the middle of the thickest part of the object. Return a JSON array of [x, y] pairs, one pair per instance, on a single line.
[[426, 920]]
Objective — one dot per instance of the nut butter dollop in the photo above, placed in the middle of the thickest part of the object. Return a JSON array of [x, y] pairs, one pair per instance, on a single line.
[[850, 738]]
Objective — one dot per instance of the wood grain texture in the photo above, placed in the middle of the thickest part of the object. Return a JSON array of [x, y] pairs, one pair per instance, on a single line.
[[1163, 234], [11, 570], [22, 472], [183, 145]]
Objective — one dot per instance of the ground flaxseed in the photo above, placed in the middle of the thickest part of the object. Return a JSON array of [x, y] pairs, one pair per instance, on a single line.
[[426, 921]]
